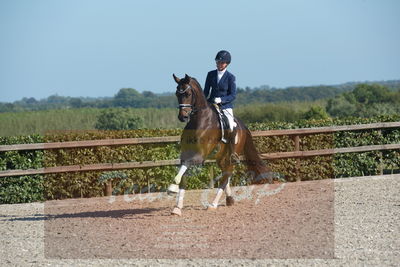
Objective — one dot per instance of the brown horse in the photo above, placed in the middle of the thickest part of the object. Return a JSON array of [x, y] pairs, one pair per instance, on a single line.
[[202, 135]]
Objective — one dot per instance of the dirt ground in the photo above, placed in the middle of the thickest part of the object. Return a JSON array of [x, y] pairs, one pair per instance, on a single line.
[[293, 220], [273, 226]]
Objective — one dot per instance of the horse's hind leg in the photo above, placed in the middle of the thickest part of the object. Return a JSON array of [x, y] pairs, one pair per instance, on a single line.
[[224, 185], [229, 199]]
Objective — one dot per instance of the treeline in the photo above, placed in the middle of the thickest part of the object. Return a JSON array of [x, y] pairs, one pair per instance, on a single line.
[[126, 97], [131, 98], [265, 94], [364, 101]]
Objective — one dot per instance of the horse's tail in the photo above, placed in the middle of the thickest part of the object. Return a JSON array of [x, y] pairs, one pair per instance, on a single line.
[[260, 172]]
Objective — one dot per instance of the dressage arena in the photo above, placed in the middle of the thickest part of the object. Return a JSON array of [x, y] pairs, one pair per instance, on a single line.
[[326, 223]]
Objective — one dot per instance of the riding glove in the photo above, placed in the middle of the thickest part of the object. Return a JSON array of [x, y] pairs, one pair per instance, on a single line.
[[217, 100]]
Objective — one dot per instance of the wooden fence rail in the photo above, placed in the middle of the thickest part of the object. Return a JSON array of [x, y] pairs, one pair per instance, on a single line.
[[296, 133], [173, 139]]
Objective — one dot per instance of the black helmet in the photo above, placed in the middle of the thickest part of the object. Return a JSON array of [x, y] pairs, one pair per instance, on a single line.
[[223, 56]]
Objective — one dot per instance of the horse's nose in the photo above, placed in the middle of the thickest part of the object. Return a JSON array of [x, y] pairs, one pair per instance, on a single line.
[[183, 118]]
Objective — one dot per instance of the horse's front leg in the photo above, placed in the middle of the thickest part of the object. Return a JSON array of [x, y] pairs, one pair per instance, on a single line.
[[174, 188], [179, 187]]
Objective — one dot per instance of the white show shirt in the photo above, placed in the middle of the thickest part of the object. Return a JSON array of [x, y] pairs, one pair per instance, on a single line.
[[220, 74]]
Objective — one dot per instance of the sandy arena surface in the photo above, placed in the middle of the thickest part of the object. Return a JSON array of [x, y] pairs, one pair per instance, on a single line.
[[343, 222]]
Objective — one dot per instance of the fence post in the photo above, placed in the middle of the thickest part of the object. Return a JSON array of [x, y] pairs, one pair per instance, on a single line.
[[381, 163], [296, 139], [108, 188], [211, 176]]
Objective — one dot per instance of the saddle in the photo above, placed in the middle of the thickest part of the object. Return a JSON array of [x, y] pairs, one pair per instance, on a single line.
[[224, 122]]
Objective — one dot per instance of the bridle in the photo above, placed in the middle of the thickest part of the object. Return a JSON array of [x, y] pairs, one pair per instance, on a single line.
[[192, 104]]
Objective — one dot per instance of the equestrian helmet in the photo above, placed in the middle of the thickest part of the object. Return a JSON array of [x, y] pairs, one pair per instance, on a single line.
[[223, 56]]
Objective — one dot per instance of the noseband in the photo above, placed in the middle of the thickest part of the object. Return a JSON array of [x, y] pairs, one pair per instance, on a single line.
[[191, 105]]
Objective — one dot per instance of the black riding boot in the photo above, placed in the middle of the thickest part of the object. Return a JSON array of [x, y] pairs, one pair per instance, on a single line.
[[234, 157]]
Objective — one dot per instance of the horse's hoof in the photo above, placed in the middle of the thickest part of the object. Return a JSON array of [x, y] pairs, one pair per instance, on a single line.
[[176, 211], [173, 189], [211, 207], [230, 201]]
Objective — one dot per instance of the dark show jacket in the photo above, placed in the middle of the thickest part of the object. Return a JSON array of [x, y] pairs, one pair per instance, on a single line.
[[225, 89]]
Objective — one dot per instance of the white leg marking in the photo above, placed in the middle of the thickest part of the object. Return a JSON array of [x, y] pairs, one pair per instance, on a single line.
[[228, 190], [179, 201], [181, 172], [174, 187], [217, 197]]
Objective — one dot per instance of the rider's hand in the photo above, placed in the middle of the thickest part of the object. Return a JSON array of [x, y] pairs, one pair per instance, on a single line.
[[217, 100]]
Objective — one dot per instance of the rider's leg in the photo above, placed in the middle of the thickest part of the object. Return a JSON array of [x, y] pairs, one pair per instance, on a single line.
[[232, 135], [231, 119]]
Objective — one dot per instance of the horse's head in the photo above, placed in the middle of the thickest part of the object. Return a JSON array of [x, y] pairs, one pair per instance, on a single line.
[[186, 98]]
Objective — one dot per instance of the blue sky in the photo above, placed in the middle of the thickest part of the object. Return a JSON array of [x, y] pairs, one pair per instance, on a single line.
[[95, 47]]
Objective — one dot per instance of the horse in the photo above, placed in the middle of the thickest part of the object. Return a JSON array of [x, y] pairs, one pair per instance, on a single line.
[[202, 135]]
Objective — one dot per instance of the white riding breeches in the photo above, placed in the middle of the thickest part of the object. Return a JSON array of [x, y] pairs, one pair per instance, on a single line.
[[229, 114]]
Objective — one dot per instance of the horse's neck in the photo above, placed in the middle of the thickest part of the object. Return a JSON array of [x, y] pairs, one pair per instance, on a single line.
[[203, 108], [201, 101], [204, 118]]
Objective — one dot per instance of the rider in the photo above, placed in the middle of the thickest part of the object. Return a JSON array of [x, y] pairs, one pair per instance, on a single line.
[[220, 89]]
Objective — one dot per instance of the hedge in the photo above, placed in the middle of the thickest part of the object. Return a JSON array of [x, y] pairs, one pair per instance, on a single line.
[[90, 184]]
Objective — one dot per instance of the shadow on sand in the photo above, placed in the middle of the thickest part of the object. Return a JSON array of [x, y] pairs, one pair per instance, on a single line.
[[87, 214]]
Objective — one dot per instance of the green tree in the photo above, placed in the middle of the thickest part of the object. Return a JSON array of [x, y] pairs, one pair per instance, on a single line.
[[316, 113], [118, 119], [128, 97], [75, 102], [341, 107], [371, 93], [149, 94]]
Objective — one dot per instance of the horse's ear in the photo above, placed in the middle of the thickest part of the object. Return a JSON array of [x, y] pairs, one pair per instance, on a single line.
[[177, 80], [187, 77]]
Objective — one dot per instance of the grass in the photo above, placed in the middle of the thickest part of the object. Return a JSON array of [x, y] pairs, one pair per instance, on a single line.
[[40, 122]]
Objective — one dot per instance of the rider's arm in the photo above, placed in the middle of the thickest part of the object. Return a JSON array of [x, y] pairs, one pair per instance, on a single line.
[[207, 86], [231, 90]]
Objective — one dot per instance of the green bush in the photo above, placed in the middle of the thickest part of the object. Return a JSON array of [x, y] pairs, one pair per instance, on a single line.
[[23, 188], [339, 165], [119, 119], [316, 113]]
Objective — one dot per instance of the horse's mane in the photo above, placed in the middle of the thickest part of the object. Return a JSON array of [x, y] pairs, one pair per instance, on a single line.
[[197, 83], [199, 91]]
